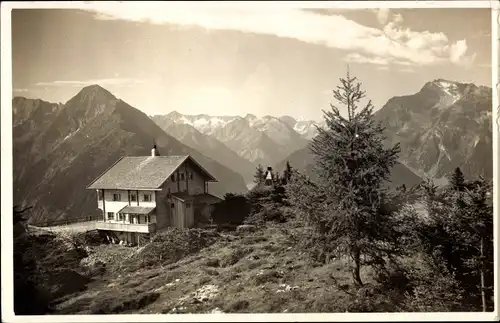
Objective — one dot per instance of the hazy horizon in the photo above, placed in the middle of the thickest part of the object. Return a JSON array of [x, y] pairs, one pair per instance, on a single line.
[[229, 62]]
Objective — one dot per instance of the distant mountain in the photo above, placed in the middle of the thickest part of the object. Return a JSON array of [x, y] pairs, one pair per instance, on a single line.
[[306, 128], [60, 149], [207, 145], [303, 160], [445, 125], [264, 140]]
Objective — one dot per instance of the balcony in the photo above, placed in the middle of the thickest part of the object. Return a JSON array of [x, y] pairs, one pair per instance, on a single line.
[[126, 227]]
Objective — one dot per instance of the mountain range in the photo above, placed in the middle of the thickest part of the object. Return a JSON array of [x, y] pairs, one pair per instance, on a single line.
[[265, 140], [60, 148]]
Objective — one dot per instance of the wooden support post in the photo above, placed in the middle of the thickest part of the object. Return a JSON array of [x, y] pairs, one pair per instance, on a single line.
[[483, 287], [187, 177], [178, 181], [103, 206]]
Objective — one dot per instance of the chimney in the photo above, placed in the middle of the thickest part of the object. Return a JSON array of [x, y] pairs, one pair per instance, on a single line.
[[154, 151]]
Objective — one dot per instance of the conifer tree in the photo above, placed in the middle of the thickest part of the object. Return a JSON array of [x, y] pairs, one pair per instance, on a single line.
[[458, 233], [457, 180], [287, 173], [471, 227], [259, 176], [347, 206]]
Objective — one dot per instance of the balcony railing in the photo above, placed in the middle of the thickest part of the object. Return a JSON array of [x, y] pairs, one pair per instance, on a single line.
[[126, 227]]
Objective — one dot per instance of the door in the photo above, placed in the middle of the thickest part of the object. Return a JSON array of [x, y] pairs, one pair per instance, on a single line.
[[173, 214]]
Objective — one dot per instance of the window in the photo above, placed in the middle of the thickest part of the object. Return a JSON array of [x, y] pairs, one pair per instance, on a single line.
[[172, 205], [172, 178], [182, 176], [133, 198], [191, 176], [148, 218], [111, 215], [147, 198], [121, 216], [117, 197], [188, 205]]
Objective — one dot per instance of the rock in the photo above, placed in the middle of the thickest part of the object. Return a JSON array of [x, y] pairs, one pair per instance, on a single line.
[[216, 311], [246, 228]]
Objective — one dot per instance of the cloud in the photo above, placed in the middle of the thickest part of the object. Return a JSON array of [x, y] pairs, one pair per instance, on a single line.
[[458, 50], [117, 82], [392, 42], [383, 15], [362, 59], [20, 90]]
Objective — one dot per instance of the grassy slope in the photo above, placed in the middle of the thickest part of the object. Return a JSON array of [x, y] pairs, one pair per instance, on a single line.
[[245, 272]]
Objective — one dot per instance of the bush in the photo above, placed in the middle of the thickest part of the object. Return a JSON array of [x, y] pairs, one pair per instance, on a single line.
[[129, 302], [174, 244], [233, 256], [233, 210], [26, 286], [267, 213], [236, 306], [433, 288]]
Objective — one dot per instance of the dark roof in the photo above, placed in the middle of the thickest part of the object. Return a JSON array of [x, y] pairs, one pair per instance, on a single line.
[[207, 198], [183, 196], [136, 209], [144, 172]]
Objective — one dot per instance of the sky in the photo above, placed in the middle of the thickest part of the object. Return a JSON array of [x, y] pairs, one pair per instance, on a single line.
[[233, 61]]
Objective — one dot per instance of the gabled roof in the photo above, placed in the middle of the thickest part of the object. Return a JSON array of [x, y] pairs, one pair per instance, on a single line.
[[144, 172], [206, 198], [183, 196]]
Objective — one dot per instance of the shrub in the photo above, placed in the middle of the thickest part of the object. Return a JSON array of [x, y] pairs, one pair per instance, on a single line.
[[433, 287], [236, 306], [122, 304], [266, 276], [442, 294], [233, 256], [174, 244], [233, 210], [267, 213]]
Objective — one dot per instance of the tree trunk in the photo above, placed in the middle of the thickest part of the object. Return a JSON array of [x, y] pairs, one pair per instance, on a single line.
[[357, 267], [483, 292]]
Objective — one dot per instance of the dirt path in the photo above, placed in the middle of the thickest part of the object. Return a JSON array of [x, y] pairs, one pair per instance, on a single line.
[[73, 227]]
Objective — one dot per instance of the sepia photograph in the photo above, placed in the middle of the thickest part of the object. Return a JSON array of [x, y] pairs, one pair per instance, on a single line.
[[222, 158]]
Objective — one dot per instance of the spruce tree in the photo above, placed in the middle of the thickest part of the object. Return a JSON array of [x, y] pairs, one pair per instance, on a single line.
[[457, 180], [287, 173], [471, 228], [259, 176], [346, 208]]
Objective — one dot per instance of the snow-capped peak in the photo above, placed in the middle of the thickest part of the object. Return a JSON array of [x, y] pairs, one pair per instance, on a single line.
[[451, 91], [278, 126]]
